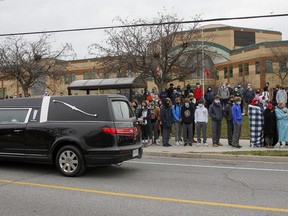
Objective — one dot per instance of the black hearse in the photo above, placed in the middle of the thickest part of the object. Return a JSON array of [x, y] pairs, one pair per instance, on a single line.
[[71, 132]]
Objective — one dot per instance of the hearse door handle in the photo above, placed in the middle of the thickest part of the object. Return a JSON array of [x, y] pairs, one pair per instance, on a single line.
[[17, 131]]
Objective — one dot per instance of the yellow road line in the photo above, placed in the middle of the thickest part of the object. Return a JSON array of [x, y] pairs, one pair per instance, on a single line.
[[196, 202]]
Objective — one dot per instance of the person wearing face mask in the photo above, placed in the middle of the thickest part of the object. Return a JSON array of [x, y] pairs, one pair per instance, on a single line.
[[248, 95], [256, 121], [177, 118], [144, 121], [193, 104], [282, 124], [153, 129], [275, 90], [187, 113], [281, 95], [227, 113], [201, 120], [237, 122], [198, 93], [209, 97], [188, 90], [215, 111], [224, 94], [167, 121]]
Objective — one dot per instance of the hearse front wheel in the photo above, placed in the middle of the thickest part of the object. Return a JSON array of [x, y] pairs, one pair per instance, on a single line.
[[69, 161]]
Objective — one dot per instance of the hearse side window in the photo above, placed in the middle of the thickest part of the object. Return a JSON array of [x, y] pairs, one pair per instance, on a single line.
[[122, 110], [12, 116]]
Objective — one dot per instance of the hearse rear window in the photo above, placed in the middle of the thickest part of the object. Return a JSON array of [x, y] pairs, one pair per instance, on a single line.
[[122, 110], [13, 116]]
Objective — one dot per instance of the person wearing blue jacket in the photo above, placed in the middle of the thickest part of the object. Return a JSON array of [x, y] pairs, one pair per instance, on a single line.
[[237, 122], [177, 120]]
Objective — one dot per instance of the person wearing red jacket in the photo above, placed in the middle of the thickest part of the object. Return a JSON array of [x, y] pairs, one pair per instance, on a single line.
[[198, 92]]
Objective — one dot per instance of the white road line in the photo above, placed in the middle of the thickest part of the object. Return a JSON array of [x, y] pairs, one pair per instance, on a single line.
[[204, 166]]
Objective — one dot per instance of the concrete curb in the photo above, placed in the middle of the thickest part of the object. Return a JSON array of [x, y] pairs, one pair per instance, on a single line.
[[218, 156]]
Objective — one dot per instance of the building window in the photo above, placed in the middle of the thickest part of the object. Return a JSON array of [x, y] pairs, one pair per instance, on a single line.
[[217, 73], [246, 69], [240, 68], [225, 72], [67, 79], [231, 71], [85, 75], [257, 67], [268, 66], [119, 73], [283, 65], [128, 73], [93, 75], [73, 77]]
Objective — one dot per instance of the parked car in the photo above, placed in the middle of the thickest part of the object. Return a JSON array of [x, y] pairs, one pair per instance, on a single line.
[[72, 132]]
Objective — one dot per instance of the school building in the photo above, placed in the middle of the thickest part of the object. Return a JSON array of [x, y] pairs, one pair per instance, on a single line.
[[232, 55]]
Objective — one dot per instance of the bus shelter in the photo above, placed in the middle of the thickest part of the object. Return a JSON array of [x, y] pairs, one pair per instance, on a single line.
[[134, 87]]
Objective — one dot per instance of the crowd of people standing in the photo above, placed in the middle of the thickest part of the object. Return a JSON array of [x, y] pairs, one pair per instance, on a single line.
[[188, 110]]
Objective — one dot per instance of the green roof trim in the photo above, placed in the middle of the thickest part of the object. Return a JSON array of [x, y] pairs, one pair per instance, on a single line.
[[271, 43]]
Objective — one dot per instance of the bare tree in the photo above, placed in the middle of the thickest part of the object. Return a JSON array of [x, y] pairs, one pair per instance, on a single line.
[[280, 57], [162, 51], [28, 62]]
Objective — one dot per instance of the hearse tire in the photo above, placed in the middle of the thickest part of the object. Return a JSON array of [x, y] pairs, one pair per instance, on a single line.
[[69, 161]]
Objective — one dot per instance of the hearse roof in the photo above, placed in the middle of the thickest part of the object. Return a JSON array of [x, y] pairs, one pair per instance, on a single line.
[[36, 102]]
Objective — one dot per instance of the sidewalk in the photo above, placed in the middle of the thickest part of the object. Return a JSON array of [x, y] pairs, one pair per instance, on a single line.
[[211, 152]]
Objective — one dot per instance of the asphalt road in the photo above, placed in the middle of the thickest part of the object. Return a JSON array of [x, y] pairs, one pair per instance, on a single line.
[[150, 186]]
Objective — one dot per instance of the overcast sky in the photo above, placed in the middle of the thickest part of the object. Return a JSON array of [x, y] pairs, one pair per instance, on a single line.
[[40, 15]]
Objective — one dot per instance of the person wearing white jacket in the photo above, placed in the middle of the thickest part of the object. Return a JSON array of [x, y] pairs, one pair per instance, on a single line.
[[201, 120], [281, 95]]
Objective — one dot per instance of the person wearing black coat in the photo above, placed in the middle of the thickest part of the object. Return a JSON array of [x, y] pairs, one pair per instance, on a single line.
[[227, 113], [187, 113], [145, 122], [270, 127], [167, 121], [209, 97]]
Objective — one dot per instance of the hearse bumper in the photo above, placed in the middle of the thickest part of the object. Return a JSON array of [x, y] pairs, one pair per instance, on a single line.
[[113, 155]]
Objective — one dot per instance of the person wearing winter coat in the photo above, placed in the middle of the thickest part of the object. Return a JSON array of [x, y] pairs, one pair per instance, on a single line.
[[145, 122], [281, 95], [209, 97], [256, 121], [154, 118], [249, 94], [282, 123], [188, 90], [215, 111], [198, 92], [224, 94], [187, 113], [270, 127], [237, 122], [167, 121], [177, 118], [227, 113], [201, 120]]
